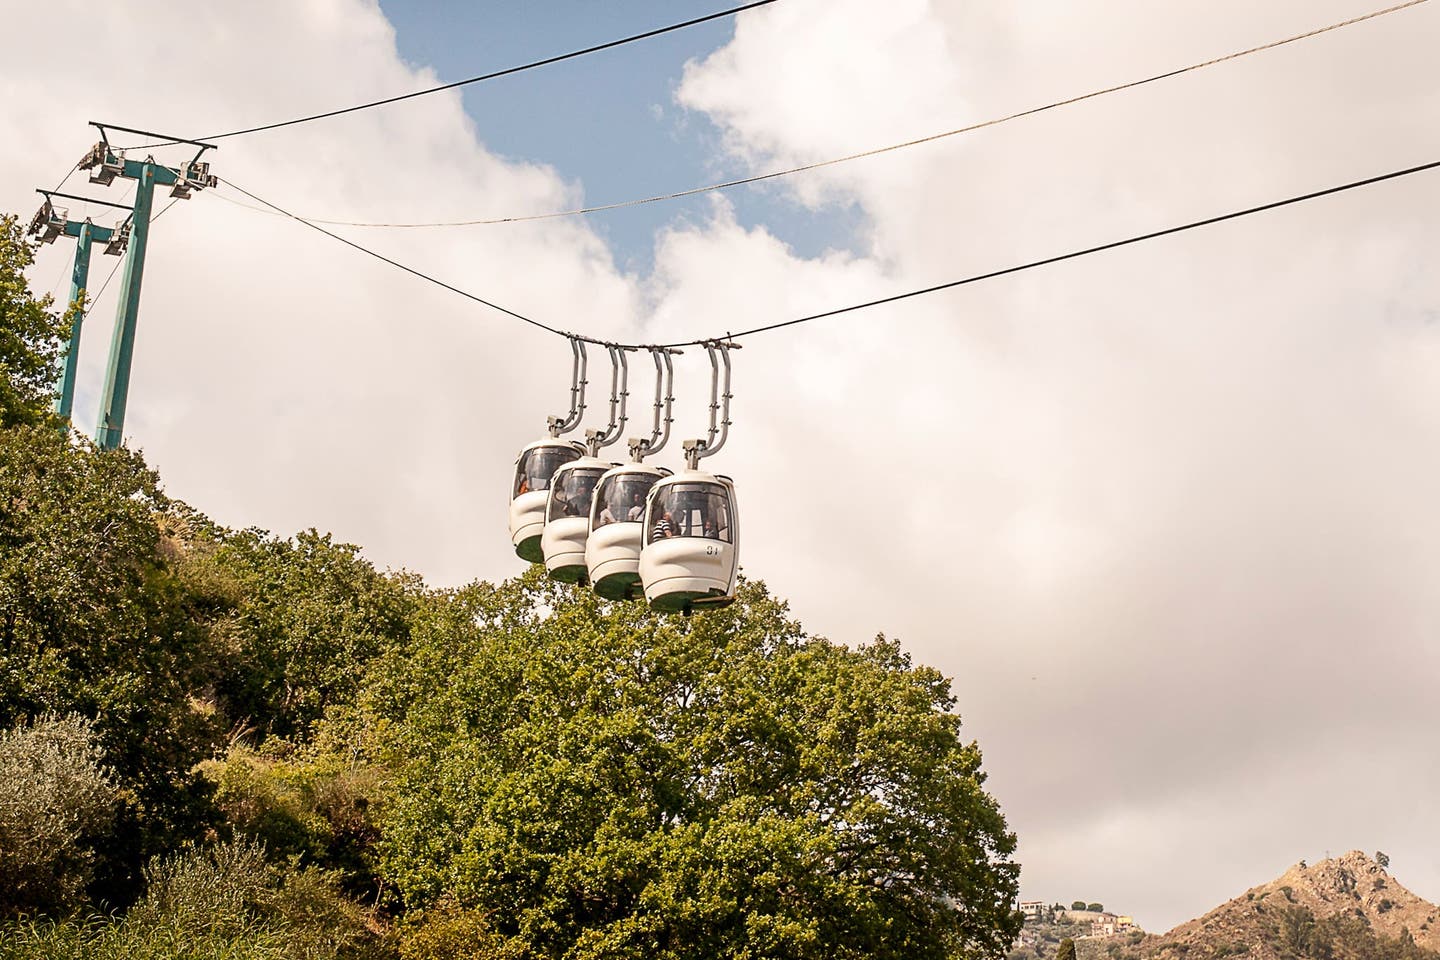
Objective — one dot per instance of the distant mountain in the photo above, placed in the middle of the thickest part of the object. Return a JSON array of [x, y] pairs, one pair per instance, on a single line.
[[1344, 908]]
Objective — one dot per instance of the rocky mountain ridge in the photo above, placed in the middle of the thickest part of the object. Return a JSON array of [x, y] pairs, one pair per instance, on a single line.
[[1351, 896]]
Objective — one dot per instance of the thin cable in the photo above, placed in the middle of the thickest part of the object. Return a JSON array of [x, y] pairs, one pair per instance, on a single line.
[[61, 185], [410, 270], [727, 184], [733, 11], [1192, 225], [1087, 251], [65, 267]]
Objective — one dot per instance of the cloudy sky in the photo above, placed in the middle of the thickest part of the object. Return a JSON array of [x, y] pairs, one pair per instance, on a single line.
[[1166, 514]]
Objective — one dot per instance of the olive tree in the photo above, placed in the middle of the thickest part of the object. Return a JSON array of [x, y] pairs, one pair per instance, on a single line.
[[56, 797]]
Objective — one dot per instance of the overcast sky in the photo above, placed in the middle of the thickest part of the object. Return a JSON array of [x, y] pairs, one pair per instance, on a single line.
[[1166, 514]]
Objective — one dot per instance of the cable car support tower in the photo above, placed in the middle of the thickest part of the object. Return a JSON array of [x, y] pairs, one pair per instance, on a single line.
[[106, 163], [50, 223]]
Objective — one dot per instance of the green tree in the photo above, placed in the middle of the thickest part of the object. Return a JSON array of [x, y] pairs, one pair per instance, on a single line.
[[32, 335], [1078, 905], [305, 616], [1382, 860], [598, 781], [1066, 950], [1095, 907], [93, 621]]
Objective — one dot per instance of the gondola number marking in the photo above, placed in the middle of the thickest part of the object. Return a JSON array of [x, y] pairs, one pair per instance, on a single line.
[[711, 550]]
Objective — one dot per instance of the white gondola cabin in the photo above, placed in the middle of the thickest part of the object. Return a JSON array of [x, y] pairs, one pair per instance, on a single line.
[[617, 522], [567, 518], [534, 470], [690, 559]]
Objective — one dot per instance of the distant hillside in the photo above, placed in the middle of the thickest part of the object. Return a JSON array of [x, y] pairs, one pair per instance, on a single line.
[[1096, 934], [1345, 908]]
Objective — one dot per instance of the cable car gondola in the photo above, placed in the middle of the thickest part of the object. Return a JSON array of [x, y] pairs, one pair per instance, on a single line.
[[617, 515], [567, 511], [691, 554], [536, 466], [691, 528]]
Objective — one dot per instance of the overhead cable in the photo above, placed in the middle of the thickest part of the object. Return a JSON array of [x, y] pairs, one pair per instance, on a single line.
[[774, 174], [658, 31], [975, 278], [397, 264]]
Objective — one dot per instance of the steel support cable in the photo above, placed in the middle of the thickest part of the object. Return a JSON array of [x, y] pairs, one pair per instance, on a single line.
[[61, 185], [775, 174], [974, 278], [410, 270], [558, 58]]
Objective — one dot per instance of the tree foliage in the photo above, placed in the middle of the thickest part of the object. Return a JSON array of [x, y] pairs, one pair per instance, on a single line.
[[605, 782], [93, 621], [1297, 934], [31, 333], [305, 616]]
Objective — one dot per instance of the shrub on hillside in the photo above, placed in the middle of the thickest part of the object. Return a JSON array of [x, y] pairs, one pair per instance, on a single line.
[[310, 805], [224, 901], [56, 797]]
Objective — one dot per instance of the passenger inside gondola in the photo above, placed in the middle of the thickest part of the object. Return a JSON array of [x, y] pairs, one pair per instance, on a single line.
[[693, 510], [538, 466], [572, 497]]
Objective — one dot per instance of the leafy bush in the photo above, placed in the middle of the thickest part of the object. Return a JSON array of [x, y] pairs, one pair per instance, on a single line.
[[56, 797], [449, 930], [223, 901], [310, 805]]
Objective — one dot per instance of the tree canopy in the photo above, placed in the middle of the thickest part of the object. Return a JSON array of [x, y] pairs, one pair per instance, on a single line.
[[600, 781], [31, 333]]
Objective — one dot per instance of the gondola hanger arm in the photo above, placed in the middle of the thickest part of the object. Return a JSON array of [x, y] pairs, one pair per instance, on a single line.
[[578, 370]]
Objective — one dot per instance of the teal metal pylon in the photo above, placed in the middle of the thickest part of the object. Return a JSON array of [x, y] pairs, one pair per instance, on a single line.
[[107, 164], [49, 224]]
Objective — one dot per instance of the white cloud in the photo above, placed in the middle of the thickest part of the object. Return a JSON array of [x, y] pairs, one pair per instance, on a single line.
[[1164, 513]]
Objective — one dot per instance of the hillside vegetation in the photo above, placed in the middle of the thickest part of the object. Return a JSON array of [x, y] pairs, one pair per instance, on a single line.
[[224, 743]]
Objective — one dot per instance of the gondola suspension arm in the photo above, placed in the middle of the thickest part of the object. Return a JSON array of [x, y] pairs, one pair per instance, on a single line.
[[596, 440], [560, 425], [720, 396], [641, 447]]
